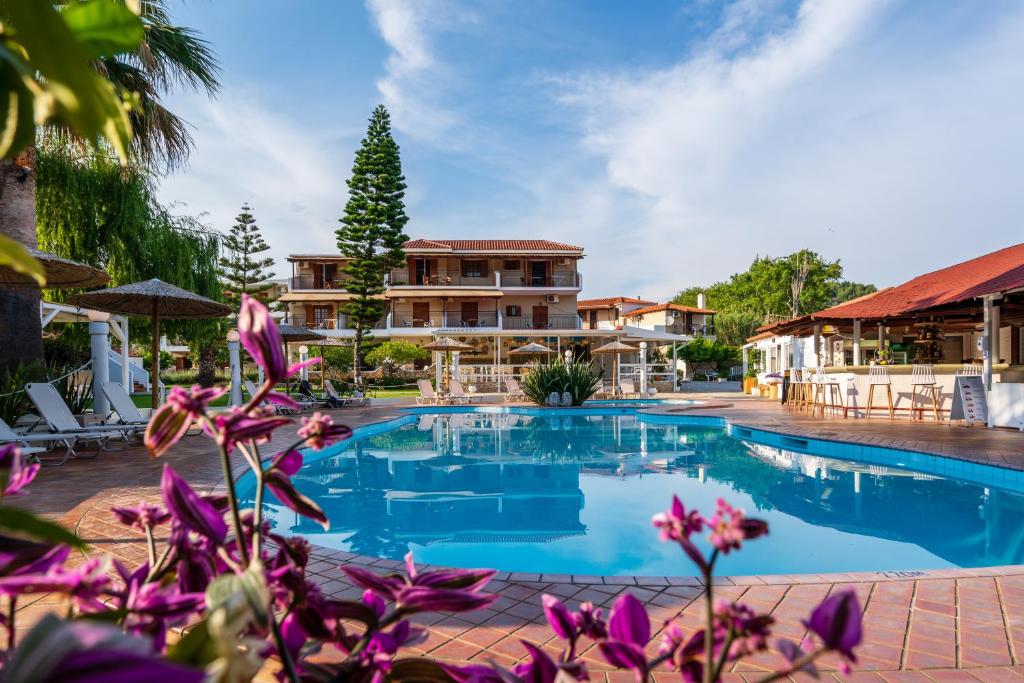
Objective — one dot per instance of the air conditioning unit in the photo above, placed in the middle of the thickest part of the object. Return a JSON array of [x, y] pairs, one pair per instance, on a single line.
[[551, 298], [564, 261]]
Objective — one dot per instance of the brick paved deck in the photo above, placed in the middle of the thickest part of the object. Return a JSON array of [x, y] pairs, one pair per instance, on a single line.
[[948, 625]]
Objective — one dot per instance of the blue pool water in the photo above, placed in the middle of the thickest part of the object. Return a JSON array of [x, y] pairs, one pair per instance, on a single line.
[[573, 491]]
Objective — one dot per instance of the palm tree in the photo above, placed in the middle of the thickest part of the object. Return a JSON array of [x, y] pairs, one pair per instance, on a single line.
[[170, 56]]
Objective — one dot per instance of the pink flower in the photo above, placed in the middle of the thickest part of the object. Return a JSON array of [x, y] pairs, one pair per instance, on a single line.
[[193, 402], [261, 338], [172, 420], [84, 584], [729, 527], [14, 473], [749, 631], [239, 425], [589, 622], [320, 431], [677, 524]]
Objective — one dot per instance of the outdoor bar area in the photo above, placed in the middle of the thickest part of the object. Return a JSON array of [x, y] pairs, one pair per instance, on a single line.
[[910, 342]]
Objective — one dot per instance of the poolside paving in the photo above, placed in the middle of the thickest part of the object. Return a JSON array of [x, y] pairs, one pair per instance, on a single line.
[[945, 625]]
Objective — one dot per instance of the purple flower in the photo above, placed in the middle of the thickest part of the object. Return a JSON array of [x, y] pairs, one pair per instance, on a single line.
[[749, 631], [540, 668], [278, 480], [83, 584], [20, 558], [191, 510], [320, 431], [558, 617], [629, 629], [143, 516], [115, 666], [173, 419], [837, 621], [677, 524], [729, 527], [241, 425], [588, 621], [193, 402], [14, 473], [262, 339]]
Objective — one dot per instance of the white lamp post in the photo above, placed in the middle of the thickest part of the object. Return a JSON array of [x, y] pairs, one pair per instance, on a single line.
[[643, 369], [99, 331], [236, 368], [303, 357]]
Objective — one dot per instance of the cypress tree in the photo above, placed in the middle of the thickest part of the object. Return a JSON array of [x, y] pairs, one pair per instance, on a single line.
[[242, 269], [372, 232]]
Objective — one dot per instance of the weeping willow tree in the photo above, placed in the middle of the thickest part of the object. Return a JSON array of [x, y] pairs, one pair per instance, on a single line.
[[90, 209]]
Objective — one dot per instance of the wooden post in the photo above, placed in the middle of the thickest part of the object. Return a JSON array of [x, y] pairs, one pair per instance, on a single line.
[[154, 363]]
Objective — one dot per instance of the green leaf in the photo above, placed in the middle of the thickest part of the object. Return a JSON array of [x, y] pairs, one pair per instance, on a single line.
[[195, 648], [15, 257], [17, 122], [24, 523], [104, 27]]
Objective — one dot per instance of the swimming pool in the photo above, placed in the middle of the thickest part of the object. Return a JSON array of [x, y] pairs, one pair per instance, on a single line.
[[572, 491]]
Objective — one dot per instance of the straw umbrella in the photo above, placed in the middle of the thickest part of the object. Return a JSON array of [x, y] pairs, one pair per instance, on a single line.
[[61, 273], [533, 349], [615, 347], [447, 344], [155, 299]]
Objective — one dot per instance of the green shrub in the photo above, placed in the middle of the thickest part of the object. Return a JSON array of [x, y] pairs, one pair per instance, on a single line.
[[577, 377], [391, 355]]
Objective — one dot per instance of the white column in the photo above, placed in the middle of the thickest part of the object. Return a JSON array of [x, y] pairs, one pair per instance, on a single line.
[[643, 368], [818, 360], [455, 364], [856, 341], [995, 333], [236, 368], [986, 344], [99, 331], [746, 360], [303, 357], [675, 362]]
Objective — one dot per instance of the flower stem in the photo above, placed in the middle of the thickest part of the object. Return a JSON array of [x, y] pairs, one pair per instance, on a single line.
[[151, 547], [282, 651], [12, 608], [709, 617], [236, 516], [257, 514]]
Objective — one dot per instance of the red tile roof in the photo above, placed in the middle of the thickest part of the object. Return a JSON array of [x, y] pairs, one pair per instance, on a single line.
[[667, 307], [610, 301], [993, 273], [490, 245]]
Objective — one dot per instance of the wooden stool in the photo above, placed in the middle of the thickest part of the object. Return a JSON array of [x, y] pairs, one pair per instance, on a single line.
[[878, 375], [830, 392], [796, 389], [923, 376]]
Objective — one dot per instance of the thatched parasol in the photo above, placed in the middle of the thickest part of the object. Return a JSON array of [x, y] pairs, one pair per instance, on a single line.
[[447, 344], [61, 273], [532, 348], [615, 347], [154, 299]]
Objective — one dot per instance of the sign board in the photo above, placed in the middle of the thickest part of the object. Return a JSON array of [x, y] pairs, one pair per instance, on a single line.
[[969, 400]]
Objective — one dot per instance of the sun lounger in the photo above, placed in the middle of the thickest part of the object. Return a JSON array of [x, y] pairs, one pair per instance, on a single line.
[[455, 392], [59, 418], [513, 393], [25, 441], [427, 393], [628, 389], [308, 398], [334, 399], [127, 412], [250, 388]]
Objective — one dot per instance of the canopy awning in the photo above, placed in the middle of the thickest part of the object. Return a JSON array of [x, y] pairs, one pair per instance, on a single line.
[[450, 292]]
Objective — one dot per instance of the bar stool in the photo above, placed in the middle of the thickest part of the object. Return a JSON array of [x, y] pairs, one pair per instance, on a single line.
[[969, 370], [923, 376], [878, 375], [796, 389], [830, 392]]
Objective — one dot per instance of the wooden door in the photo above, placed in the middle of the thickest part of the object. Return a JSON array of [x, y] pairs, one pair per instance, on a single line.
[[470, 313], [420, 313], [538, 273], [540, 317]]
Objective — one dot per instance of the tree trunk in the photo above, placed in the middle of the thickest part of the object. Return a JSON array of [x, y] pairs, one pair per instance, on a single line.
[[21, 333], [357, 342], [207, 367]]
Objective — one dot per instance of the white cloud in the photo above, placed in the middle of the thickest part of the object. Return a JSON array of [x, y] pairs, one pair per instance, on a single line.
[[897, 153], [291, 173]]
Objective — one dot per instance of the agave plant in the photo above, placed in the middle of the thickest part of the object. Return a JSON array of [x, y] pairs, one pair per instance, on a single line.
[[576, 377]]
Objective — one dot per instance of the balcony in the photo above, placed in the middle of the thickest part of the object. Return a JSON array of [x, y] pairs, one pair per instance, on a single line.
[[452, 320], [310, 281], [400, 278], [567, 280], [339, 322], [559, 321]]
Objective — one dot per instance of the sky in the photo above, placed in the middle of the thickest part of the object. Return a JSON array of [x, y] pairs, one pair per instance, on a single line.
[[674, 141]]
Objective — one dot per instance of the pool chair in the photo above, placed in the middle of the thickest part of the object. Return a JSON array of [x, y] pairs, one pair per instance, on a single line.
[[334, 399], [455, 392], [60, 420], [427, 394], [308, 400], [513, 393], [627, 389], [125, 408], [25, 441], [250, 388]]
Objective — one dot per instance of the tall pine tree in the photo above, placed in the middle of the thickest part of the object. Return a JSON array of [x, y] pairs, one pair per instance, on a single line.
[[372, 232], [243, 269]]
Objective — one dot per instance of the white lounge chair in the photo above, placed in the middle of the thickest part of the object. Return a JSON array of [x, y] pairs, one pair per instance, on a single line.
[[427, 393], [250, 388], [25, 441], [456, 393], [127, 412], [60, 420], [627, 388], [513, 393]]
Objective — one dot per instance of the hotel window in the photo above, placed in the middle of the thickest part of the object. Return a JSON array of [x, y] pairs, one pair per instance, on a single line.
[[513, 311], [512, 264], [474, 268]]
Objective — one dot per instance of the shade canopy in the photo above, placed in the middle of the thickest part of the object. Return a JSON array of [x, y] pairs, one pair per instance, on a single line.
[[615, 347], [448, 344], [532, 347], [153, 297], [61, 273], [291, 333]]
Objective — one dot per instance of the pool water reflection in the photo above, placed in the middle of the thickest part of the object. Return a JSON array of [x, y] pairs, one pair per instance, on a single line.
[[574, 494]]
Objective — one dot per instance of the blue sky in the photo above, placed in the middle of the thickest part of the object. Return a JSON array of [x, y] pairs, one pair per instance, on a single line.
[[673, 140]]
